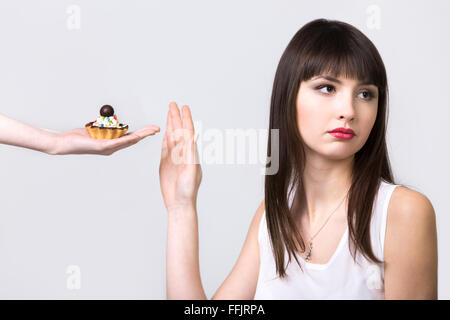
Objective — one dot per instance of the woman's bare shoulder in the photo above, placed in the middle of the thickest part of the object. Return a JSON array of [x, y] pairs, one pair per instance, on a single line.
[[410, 248], [406, 201], [410, 213]]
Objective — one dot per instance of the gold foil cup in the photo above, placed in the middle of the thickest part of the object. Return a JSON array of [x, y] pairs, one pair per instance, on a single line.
[[106, 132]]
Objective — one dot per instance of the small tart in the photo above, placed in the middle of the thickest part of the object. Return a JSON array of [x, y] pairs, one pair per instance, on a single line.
[[106, 132]]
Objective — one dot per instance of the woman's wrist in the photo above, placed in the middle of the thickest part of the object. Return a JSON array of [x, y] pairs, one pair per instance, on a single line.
[[51, 142], [182, 208]]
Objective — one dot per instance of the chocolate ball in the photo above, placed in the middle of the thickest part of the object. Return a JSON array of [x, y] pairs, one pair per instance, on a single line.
[[107, 111]]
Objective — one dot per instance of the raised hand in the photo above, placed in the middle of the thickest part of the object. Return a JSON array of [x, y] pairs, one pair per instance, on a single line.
[[179, 171]]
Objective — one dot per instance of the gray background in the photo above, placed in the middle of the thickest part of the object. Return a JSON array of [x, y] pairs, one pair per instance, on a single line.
[[105, 214]]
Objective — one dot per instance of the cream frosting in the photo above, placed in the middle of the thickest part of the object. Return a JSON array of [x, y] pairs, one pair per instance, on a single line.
[[108, 122]]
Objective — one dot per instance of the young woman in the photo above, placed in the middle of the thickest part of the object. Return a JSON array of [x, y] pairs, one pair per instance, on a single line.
[[76, 141], [333, 224]]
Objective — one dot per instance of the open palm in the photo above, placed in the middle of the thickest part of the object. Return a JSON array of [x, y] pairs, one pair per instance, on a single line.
[[78, 141], [180, 172]]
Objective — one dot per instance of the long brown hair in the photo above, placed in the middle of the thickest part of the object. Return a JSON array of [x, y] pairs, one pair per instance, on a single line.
[[336, 48]]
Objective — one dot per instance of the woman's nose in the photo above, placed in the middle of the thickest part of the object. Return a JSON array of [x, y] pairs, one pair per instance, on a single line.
[[346, 107]]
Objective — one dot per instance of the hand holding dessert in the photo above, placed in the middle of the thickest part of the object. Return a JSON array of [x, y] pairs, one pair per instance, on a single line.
[[77, 141]]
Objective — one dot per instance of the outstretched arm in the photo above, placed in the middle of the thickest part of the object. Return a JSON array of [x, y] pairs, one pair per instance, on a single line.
[[77, 141]]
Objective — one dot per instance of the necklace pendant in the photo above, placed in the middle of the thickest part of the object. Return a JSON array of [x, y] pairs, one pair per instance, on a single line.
[[308, 255]]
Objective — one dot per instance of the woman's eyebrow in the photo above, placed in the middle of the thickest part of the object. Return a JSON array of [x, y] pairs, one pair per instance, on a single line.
[[339, 81]]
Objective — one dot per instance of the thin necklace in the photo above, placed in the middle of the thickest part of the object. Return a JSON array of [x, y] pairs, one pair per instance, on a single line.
[[308, 255]]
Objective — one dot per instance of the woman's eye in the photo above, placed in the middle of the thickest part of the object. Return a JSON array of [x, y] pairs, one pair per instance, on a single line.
[[326, 87], [367, 95]]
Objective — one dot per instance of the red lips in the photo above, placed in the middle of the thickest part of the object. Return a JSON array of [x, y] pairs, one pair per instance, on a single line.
[[343, 130]]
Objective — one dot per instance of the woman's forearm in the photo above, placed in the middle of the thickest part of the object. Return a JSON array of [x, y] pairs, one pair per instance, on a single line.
[[183, 270], [19, 134]]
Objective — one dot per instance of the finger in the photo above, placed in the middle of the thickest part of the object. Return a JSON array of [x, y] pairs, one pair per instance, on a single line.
[[146, 131], [175, 115], [188, 125], [157, 128], [169, 131], [134, 136], [164, 147], [177, 125], [165, 142]]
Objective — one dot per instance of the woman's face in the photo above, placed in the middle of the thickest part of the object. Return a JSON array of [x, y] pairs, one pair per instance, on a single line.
[[325, 103]]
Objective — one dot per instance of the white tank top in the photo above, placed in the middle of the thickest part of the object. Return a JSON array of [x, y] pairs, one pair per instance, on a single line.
[[340, 278]]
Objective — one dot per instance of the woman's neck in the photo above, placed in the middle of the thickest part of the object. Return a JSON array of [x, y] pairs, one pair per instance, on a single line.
[[326, 183]]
